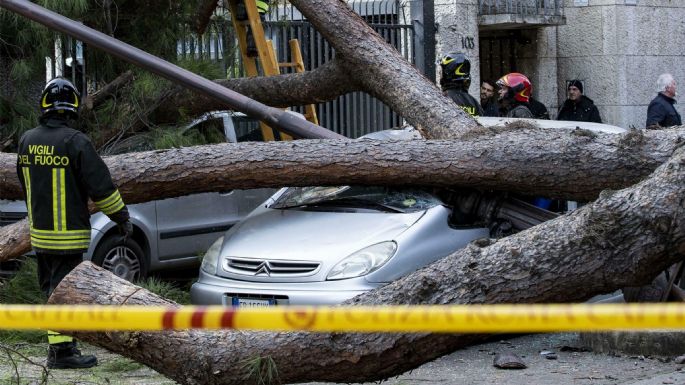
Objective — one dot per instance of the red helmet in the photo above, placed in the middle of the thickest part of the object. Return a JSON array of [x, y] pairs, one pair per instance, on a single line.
[[519, 86]]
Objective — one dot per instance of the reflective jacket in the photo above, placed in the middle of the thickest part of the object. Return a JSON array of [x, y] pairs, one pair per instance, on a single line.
[[59, 170], [464, 100], [520, 110]]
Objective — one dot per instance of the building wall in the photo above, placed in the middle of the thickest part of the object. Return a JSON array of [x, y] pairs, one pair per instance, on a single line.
[[457, 31], [619, 50], [537, 59]]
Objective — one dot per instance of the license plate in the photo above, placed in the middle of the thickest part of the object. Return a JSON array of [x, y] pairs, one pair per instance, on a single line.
[[249, 302]]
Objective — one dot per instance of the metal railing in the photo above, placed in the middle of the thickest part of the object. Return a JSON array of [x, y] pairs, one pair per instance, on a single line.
[[521, 7], [352, 115]]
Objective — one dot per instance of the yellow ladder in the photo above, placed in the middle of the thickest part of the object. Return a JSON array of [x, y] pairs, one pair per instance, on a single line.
[[267, 56]]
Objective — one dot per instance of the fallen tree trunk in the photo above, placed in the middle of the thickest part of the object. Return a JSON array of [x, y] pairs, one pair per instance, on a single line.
[[561, 163], [570, 164], [624, 238]]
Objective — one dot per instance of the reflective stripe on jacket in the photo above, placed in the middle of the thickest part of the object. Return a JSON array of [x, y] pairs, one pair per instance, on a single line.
[[464, 100], [59, 170]]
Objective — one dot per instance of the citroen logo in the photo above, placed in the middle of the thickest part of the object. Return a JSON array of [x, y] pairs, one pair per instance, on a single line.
[[264, 268]]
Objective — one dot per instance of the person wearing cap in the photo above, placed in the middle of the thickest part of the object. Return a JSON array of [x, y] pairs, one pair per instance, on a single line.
[[578, 107], [661, 111]]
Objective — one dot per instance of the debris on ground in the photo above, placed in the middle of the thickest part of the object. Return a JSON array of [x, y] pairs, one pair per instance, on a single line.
[[508, 361]]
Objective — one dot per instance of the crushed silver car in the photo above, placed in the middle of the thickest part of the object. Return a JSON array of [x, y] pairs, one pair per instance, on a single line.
[[324, 245]]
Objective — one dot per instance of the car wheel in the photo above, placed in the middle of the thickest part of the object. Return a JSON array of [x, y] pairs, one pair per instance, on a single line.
[[125, 259]]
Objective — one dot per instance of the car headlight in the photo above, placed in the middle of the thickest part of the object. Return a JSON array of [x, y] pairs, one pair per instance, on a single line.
[[363, 261], [211, 258]]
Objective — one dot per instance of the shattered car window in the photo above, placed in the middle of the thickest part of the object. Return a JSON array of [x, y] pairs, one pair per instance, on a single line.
[[399, 199]]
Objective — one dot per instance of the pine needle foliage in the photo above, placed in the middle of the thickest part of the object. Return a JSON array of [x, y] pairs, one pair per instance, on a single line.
[[166, 289], [154, 26]]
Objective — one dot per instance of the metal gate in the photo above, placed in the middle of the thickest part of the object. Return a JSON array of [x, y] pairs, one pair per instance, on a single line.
[[352, 115], [498, 54]]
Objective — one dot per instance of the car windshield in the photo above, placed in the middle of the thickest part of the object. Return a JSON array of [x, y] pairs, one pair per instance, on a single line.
[[404, 200]]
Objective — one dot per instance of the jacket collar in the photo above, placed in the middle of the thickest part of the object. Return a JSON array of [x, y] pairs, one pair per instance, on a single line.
[[668, 98], [53, 121]]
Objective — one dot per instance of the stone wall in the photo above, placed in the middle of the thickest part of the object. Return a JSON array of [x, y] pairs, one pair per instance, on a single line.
[[457, 31], [619, 50], [537, 60]]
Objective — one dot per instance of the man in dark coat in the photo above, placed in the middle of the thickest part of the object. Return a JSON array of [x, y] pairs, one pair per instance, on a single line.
[[537, 108], [487, 98], [661, 111], [578, 107]]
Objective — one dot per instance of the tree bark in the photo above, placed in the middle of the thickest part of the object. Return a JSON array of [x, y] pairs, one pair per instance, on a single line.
[[561, 164], [363, 62], [320, 85], [624, 238]]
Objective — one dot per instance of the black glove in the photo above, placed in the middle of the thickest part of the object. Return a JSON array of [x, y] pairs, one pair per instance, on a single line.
[[125, 229]]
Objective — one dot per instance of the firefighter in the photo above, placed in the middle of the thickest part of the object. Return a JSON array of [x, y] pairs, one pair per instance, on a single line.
[[455, 81], [514, 95], [59, 170], [241, 15]]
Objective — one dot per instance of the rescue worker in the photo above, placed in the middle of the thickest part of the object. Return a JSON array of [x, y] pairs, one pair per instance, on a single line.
[[59, 170], [514, 93], [455, 81], [241, 15]]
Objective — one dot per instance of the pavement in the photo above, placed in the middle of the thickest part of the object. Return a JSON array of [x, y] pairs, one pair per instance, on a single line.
[[574, 364]]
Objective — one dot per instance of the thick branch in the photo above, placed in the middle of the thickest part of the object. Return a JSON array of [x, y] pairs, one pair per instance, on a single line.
[[205, 9], [321, 85], [560, 163], [98, 97], [625, 237], [383, 72]]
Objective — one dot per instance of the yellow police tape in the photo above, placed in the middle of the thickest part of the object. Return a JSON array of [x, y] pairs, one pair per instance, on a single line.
[[440, 319]]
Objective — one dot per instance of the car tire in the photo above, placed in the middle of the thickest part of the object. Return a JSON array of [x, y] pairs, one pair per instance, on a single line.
[[126, 260]]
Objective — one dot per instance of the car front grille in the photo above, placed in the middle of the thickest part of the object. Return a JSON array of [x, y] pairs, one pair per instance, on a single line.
[[269, 268]]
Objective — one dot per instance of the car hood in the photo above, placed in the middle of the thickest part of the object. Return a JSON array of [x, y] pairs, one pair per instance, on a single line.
[[312, 236]]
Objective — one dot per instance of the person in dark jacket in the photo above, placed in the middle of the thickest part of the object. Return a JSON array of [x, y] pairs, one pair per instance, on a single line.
[[59, 170], [514, 94], [455, 80], [538, 109], [661, 111], [578, 107], [487, 98]]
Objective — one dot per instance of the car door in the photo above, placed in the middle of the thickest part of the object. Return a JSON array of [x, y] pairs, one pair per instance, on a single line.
[[188, 225]]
